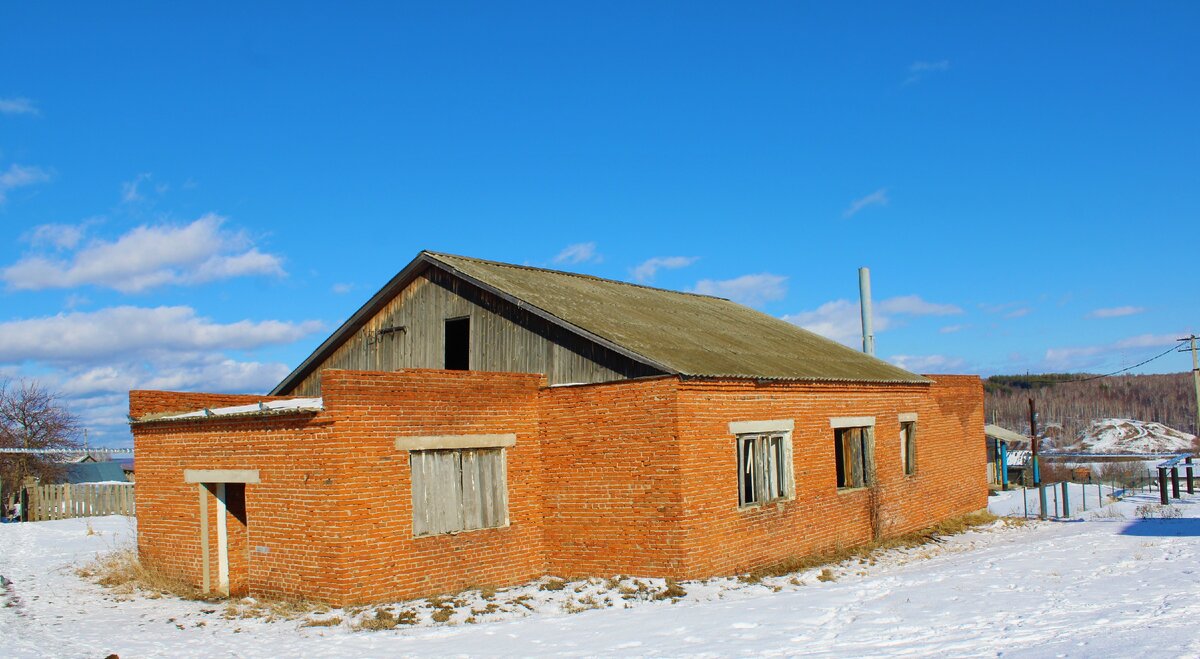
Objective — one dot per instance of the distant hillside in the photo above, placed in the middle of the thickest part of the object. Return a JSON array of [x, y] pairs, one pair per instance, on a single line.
[[1132, 436], [1067, 409]]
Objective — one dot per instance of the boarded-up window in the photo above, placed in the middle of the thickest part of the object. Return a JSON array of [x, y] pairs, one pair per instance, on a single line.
[[764, 468], [854, 455], [908, 446], [458, 490]]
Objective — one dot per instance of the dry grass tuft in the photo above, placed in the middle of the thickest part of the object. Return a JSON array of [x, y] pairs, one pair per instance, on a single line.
[[672, 591], [1152, 510], [826, 575], [553, 584], [322, 622], [122, 572]]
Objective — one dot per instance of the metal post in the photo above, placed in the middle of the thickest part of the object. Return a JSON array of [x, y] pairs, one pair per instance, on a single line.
[[1162, 486], [1066, 499], [1055, 493], [1196, 380], [1175, 482], [1190, 479], [864, 294], [1003, 446], [1037, 473]]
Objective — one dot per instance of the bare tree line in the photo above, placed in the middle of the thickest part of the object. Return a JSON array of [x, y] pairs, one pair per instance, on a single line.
[[1168, 399]]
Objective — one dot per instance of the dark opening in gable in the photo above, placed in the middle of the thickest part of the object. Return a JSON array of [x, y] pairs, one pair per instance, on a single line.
[[458, 344]]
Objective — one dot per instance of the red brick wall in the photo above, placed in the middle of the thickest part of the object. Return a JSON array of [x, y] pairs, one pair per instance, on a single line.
[[613, 487], [331, 518], [381, 558], [950, 478], [634, 477]]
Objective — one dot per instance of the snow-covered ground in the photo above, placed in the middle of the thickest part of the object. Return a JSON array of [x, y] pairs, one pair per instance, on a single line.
[[1081, 499], [1132, 436], [1108, 585]]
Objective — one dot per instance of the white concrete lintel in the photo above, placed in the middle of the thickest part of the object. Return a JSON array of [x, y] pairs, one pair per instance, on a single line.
[[908, 416], [220, 475], [851, 421], [436, 442], [752, 427]]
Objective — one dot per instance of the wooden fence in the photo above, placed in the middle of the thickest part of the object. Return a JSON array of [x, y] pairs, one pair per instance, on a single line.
[[79, 500]]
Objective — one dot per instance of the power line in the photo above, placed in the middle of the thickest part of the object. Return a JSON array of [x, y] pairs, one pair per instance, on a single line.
[[1128, 368], [1052, 382]]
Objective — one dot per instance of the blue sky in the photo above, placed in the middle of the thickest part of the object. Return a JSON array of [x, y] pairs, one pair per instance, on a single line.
[[194, 197]]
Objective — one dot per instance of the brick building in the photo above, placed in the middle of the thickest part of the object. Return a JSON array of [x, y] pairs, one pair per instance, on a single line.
[[481, 423]]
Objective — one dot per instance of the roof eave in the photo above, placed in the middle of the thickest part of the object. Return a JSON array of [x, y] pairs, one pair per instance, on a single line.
[[819, 380]]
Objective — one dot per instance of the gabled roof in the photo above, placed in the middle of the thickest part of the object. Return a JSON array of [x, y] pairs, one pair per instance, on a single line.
[[679, 333]]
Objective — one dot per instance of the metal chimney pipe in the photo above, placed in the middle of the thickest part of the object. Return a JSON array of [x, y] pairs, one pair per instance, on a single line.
[[864, 295]]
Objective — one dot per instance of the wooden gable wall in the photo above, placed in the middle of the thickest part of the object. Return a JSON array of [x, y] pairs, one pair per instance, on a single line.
[[503, 338]]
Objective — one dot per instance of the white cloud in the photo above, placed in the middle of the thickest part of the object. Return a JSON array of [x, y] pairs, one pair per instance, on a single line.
[[751, 290], [129, 189], [915, 306], [918, 70], [646, 270], [841, 320], [94, 367], [927, 363], [1116, 312], [180, 372], [877, 198], [950, 329], [20, 176], [93, 337], [58, 236], [1093, 355], [1018, 313], [578, 253], [147, 257], [17, 106], [342, 289]]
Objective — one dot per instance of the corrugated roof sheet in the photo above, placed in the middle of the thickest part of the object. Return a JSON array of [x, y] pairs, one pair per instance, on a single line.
[[689, 334], [999, 432]]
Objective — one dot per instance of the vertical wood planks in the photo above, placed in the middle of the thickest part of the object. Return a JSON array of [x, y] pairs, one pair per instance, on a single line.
[[63, 501], [458, 490]]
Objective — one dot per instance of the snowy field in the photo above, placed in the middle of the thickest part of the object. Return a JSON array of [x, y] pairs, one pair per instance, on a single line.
[[1109, 585]]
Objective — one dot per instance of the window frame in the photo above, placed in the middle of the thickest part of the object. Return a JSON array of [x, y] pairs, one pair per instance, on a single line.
[[908, 444], [458, 446], [764, 462], [865, 425], [463, 322]]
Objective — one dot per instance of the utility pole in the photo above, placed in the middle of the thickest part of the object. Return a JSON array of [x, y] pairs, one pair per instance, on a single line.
[[1037, 471], [1195, 378]]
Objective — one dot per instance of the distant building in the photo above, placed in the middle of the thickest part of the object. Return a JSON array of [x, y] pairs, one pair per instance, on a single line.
[[1002, 447]]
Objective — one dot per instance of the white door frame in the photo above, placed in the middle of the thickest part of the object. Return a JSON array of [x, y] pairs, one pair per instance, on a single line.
[[222, 542], [218, 478]]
